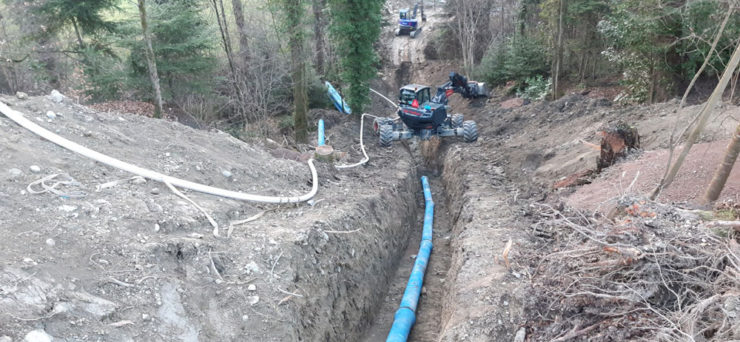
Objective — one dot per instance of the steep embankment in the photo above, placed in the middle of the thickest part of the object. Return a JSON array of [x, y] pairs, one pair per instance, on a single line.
[[92, 253]]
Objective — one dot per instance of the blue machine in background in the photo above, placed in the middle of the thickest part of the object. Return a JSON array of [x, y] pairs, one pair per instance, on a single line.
[[408, 23], [339, 103]]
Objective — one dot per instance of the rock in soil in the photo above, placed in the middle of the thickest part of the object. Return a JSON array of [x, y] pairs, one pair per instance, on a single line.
[[38, 336]]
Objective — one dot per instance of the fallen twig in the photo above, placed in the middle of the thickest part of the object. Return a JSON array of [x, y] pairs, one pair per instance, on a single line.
[[111, 184], [505, 254], [232, 224], [213, 266], [272, 269], [181, 195], [118, 282], [290, 293], [735, 224], [121, 323], [342, 231]]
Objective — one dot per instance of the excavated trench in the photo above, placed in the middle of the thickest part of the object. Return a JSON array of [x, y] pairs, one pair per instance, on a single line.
[[430, 310], [346, 272], [357, 279], [427, 326]]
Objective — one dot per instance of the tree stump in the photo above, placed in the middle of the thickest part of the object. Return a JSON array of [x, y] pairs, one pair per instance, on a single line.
[[616, 143]]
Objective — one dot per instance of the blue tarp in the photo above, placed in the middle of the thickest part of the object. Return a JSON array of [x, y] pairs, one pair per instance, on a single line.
[[337, 99]]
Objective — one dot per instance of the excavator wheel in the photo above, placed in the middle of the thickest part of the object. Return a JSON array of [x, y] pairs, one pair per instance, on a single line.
[[457, 120], [386, 135], [470, 131], [413, 33], [376, 126]]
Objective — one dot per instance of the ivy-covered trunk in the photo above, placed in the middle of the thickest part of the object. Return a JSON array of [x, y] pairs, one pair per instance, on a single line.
[[355, 26]]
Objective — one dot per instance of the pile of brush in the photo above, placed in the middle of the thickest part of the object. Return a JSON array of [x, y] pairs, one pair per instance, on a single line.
[[653, 273]]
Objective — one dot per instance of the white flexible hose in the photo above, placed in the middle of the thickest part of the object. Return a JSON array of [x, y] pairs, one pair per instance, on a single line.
[[153, 175], [362, 145], [385, 98], [362, 129]]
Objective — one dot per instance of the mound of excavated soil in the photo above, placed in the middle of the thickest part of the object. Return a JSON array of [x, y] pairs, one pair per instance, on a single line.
[[131, 261], [688, 187]]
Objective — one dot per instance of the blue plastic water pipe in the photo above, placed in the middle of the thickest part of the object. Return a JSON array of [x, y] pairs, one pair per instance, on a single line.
[[321, 132], [406, 314]]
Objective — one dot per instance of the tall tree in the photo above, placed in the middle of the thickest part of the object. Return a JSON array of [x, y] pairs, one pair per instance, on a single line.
[[150, 61], [318, 29], [558, 53], [241, 25], [355, 26], [294, 12]]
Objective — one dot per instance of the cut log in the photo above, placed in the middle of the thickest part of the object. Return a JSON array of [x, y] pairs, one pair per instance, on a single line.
[[576, 179]]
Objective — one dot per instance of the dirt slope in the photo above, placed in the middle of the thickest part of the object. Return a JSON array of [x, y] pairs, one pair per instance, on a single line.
[[134, 262], [496, 184]]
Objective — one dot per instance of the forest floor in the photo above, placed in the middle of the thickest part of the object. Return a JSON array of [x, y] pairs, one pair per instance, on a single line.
[[103, 256]]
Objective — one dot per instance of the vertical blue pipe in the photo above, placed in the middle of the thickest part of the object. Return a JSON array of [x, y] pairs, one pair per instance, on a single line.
[[406, 315], [321, 132]]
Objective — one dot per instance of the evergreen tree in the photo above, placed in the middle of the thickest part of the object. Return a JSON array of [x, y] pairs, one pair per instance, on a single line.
[[355, 27], [183, 42], [85, 16]]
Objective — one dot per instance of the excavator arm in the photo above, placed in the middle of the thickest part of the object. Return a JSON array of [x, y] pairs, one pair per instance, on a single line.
[[460, 84], [417, 7]]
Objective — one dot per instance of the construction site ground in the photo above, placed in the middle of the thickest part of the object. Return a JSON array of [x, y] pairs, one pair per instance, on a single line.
[[103, 256]]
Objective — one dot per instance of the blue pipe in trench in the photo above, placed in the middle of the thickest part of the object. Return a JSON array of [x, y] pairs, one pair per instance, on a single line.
[[406, 314], [321, 132]]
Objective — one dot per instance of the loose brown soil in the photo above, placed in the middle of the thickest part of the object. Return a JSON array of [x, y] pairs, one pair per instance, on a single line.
[[646, 170]]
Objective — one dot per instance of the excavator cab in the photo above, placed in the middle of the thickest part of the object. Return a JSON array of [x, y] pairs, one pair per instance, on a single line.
[[417, 110], [413, 92], [404, 14]]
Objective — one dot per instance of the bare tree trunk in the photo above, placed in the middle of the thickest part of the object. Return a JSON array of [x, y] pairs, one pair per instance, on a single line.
[[318, 28], [294, 13], [80, 42], [724, 169], [11, 79], [225, 39], [151, 62], [651, 95], [558, 54], [218, 7], [703, 118], [242, 28], [225, 28], [734, 86]]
